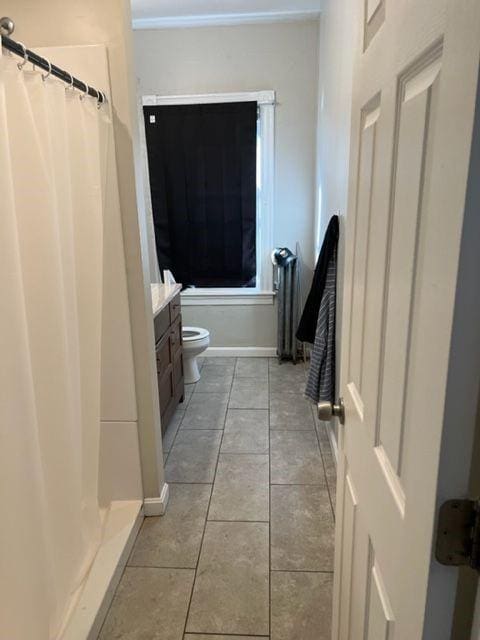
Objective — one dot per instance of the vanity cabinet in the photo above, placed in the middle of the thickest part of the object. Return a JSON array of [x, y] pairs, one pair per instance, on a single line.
[[169, 354]]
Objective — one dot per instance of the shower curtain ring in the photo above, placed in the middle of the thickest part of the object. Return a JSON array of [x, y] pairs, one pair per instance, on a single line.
[[45, 75], [85, 92], [20, 65], [103, 97], [70, 86]]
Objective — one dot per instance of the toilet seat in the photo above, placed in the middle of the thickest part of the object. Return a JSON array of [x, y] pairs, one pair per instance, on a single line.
[[192, 334]]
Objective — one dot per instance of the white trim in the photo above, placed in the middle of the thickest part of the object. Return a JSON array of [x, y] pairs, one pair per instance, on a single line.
[[265, 195], [175, 22], [157, 506], [123, 523], [240, 352], [217, 297], [333, 440], [261, 97]]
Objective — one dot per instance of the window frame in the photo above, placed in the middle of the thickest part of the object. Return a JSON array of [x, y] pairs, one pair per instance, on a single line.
[[263, 293]]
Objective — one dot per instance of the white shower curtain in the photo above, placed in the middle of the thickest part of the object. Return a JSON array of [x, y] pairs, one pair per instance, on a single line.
[[52, 183]]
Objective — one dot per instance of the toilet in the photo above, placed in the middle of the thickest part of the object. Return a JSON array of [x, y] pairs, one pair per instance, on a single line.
[[195, 341]]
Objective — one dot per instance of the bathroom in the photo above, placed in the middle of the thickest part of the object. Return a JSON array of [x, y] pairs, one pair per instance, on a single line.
[[262, 75], [96, 43], [170, 436]]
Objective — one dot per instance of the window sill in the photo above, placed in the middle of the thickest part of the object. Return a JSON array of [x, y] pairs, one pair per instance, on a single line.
[[218, 297]]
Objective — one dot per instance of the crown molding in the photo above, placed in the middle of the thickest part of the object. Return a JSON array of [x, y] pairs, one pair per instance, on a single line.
[[224, 20]]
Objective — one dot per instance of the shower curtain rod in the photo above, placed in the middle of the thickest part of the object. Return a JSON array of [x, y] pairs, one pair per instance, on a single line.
[[30, 56]]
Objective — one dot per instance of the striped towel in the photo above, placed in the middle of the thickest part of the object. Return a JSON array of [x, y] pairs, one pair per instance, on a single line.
[[321, 376]]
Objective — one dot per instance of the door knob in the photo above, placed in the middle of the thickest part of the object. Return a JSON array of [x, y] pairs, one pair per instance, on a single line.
[[327, 410]]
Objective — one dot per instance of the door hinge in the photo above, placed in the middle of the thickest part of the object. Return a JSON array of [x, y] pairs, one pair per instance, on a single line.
[[458, 533]]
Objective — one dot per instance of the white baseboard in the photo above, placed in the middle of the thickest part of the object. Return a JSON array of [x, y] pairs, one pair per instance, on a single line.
[[241, 352], [333, 440], [156, 506]]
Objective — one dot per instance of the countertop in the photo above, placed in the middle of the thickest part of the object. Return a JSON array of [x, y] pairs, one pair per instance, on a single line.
[[162, 294]]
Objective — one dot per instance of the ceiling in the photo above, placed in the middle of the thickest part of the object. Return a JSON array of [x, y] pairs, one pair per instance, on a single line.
[[164, 13]]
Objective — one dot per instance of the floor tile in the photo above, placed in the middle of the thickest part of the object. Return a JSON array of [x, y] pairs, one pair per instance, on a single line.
[[285, 365], [330, 473], [193, 457], [241, 488], [251, 368], [173, 540], [295, 458], [246, 431], [249, 393], [224, 361], [207, 636], [288, 411], [214, 384], [301, 606], [171, 432], [149, 603], [321, 428], [189, 389], [214, 380], [206, 411], [288, 379], [215, 369], [203, 636], [302, 528], [231, 593]]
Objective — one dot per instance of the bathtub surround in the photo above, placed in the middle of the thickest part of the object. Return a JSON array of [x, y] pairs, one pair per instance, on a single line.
[[281, 57]]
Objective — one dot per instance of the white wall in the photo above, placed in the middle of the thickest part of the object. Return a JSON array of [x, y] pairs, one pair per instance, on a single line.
[[338, 39], [283, 57], [338, 36]]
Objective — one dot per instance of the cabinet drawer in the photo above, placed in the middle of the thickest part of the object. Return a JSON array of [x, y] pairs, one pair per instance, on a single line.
[[178, 369], [176, 335], [161, 323], [163, 353], [175, 308], [165, 389]]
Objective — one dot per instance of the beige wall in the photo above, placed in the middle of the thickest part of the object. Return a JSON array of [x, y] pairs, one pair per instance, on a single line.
[[283, 57], [56, 23]]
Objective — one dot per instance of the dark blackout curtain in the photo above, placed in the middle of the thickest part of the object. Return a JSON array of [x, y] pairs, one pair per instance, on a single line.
[[202, 166]]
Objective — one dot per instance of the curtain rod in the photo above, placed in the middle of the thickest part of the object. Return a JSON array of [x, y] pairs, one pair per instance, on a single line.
[[7, 26]]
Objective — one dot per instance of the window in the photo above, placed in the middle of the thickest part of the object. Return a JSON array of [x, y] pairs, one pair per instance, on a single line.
[[211, 182]]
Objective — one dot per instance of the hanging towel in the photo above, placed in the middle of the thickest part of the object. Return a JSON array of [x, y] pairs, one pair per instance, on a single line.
[[308, 322], [321, 375]]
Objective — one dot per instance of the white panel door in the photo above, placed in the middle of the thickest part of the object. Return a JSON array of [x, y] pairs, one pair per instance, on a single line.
[[409, 363]]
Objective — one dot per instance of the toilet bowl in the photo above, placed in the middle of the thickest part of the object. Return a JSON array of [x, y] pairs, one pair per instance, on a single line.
[[195, 341]]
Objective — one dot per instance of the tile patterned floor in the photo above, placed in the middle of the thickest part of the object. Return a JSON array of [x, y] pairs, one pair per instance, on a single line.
[[245, 549]]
